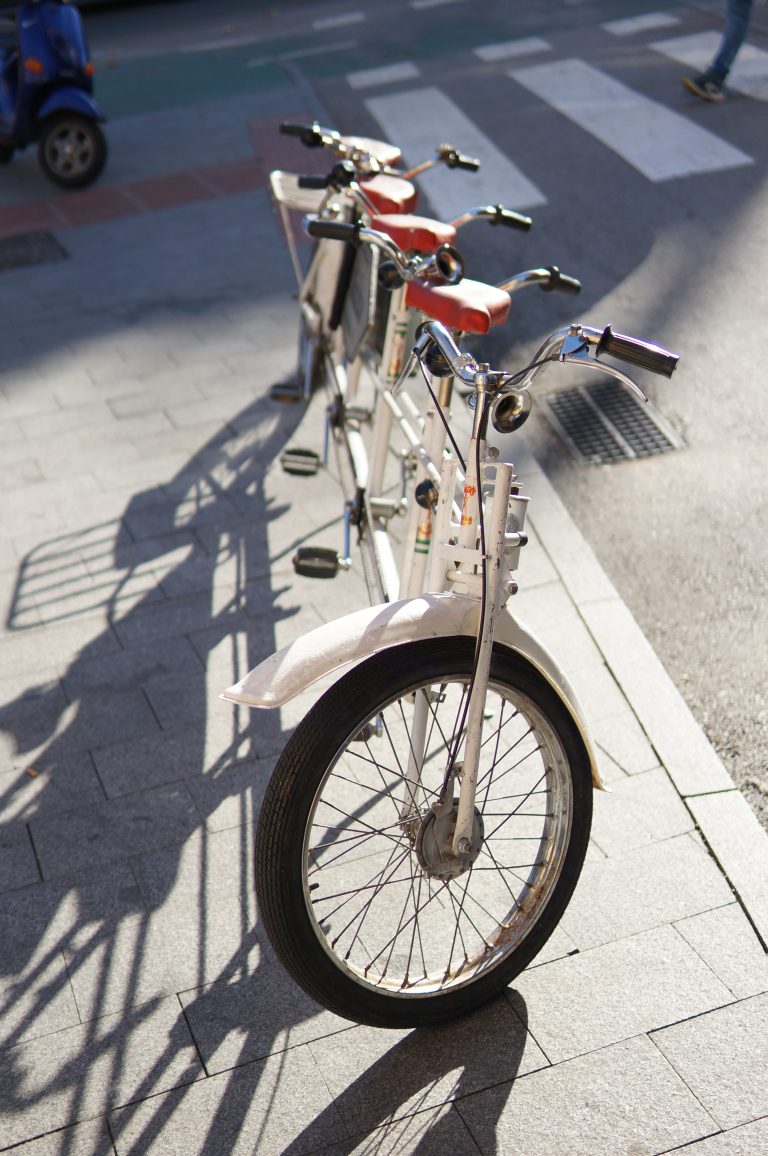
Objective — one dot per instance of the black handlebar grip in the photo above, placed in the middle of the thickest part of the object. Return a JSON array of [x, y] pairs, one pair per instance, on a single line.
[[639, 353], [561, 282], [511, 219], [293, 129], [313, 182], [340, 176], [471, 164], [309, 133], [334, 231]]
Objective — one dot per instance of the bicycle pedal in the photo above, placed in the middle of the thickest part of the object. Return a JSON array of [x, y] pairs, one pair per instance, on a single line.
[[316, 562], [298, 461], [286, 391]]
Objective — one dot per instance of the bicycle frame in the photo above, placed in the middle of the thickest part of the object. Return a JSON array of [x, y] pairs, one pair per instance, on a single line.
[[472, 558]]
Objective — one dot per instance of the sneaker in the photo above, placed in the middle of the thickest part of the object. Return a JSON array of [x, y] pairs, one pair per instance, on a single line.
[[705, 87]]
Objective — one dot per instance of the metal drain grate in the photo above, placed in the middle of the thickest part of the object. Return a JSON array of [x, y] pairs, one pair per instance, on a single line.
[[36, 248], [604, 422]]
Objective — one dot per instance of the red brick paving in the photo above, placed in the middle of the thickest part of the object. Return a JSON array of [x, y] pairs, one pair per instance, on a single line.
[[68, 210]]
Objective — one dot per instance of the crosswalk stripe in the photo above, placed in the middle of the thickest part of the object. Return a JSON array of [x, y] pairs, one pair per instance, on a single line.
[[420, 119], [658, 142], [749, 74], [387, 74], [509, 48], [644, 23]]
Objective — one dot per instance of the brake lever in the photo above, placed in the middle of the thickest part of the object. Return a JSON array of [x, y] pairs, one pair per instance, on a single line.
[[575, 351]]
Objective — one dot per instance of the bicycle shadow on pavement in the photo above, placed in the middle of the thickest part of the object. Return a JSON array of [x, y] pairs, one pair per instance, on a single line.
[[136, 789], [139, 792]]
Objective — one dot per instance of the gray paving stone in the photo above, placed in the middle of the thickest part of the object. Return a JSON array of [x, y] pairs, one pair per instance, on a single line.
[[638, 810], [254, 1108], [72, 417], [28, 652], [98, 717], [431, 1133], [652, 886], [201, 896], [741, 847], [150, 399], [117, 964], [38, 999], [28, 716], [254, 1014], [61, 458], [621, 1099], [726, 940], [207, 745], [43, 917], [723, 1058], [18, 865], [89, 1139], [116, 829], [681, 745], [634, 985], [94, 1067], [378, 1075], [9, 559], [146, 666], [623, 740], [54, 784], [20, 474], [157, 520], [747, 1140], [231, 795], [150, 471], [156, 621]]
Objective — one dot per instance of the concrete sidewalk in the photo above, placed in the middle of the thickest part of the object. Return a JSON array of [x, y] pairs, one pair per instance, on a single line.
[[146, 531]]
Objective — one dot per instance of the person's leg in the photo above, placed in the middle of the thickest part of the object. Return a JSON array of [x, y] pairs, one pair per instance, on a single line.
[[736, 22]]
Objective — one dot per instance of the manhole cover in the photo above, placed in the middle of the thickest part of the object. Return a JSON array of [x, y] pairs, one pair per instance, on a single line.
[[604, 423], [36, 248]]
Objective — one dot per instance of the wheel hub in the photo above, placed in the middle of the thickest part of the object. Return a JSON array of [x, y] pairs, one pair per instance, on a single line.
[[434, 842]]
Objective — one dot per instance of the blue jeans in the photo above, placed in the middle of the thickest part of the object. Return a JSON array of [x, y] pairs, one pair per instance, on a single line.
[[736, 20]]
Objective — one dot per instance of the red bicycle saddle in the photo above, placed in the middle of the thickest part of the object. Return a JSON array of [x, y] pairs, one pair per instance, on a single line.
[[386, 154], [470, 306], [411, 232], [390, 194]]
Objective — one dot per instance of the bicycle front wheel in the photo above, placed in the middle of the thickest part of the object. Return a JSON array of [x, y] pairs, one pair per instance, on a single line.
[[365, 902]]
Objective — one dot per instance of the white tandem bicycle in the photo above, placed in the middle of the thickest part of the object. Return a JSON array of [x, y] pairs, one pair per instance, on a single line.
[[424, 829]]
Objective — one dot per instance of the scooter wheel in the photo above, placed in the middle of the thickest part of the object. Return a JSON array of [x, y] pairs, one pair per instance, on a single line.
[[72, 150]]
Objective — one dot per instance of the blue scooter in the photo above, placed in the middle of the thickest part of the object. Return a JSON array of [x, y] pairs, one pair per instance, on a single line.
[[46, 91]]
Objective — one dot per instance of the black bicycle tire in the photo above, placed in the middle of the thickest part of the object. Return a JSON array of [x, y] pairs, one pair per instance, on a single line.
[[289, 797]]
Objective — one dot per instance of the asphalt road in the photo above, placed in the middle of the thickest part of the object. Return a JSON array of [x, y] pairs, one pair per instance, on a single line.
[[680, 259]]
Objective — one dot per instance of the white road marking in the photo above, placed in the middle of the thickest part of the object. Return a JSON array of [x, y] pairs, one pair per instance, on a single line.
[[523, 47], [212, 45], [300, 53], [387, 74], [645, 23], [749, 74], [658, 142], [338, 21], [422, 118], [431, 3]]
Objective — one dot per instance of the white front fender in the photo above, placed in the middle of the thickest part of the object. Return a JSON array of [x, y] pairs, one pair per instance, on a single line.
[[341, 644]]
